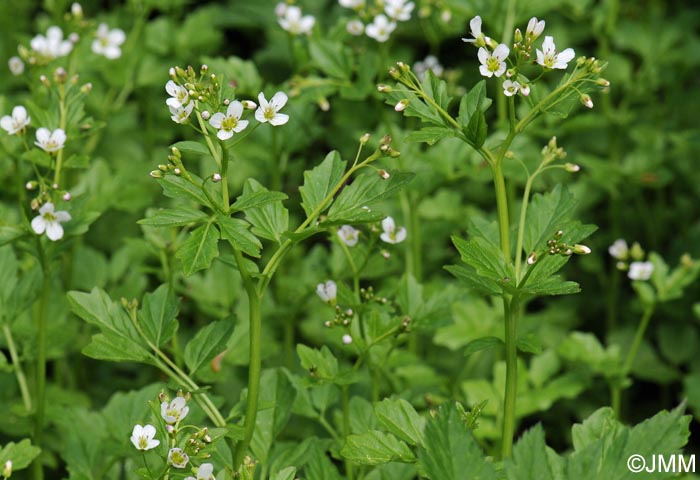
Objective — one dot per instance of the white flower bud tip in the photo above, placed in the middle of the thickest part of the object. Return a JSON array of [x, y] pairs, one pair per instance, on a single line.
[[587, 100], [67, 197], [364, 138], [73, 37], [532, 258], [30, 185], [227, 101], [581, 249], [249, 105], [206, 115], [384, 88], [76, 10], [401, 105], [347, 339], [216, 178], [7, 469], [572, 167], [177, 171], [384, 174]]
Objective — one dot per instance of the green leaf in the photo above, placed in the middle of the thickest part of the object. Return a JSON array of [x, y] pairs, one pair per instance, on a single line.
[[429, 135], [10, 233], [21, 454], [190, 147], [200, 248], [176, 217], [257, 199], [365, 191], [477, 129], [158, 315], [529, 343], [400, 418], [8, 279], [331, 57], [450, 451], [471, 114], [321, 364], [269, 221], [488, 263], [235, 230], [208, 343], [436, 88], [288, 473], [533, 460], [319, 465], [483, 343], [546, 215], [602, 445], [119, 340], [319, 182], [277, 392], [175, 186], [375, 447]]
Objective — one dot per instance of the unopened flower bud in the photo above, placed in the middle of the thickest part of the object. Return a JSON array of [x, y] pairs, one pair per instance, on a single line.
[[394, 73], [7, 469], [44, 80], [532, 258], [175, 151], [216, 178], [349, 312], [401, 105], [87, 88], [581, 249], [206, 115], [324, 104], [163, 168], [386, 140], [172, 74], [572, 167], [587, 100], [203, 69], [558, 234], [637, 252], [227, 101], [170, 429], [73, 37], [31, 185], [347, 339], [249, 105], [67, 197], [446, 15], [603, 82], [177, 171], [386, 254], [384, 88], [510, 72], [328, 324], [525, 89], [518, 36], [364, 139], [77, 10], [156, 174], [60, 75], [384, 174]]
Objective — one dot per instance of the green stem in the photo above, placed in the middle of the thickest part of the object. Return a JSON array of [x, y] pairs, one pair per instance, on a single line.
[[502, 208], [521, 226], [62, 126], [346, 427], [511, 311], [254, 367], [225, 201], [40, 379], [19, 372]]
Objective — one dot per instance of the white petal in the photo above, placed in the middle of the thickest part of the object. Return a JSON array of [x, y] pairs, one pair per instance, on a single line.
[[54, 231], [475, 25], [400, 235], [548, 45], [7, 123], [62, 216], [149, 431], [172, 88], [501, 52], [386, 238], [260, 115], [43, 135], [235, 109], [485, 71], [59, 136], [261, 100], [19, 113], [216, 120], [279, 100], [38, 225], [48, 207], [483, 55], [566, 56], [224, 134], [117, 36], [279, 119], [241, 125], [388, 224]]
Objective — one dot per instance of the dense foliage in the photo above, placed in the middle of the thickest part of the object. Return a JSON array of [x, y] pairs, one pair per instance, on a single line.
[[363, 239]]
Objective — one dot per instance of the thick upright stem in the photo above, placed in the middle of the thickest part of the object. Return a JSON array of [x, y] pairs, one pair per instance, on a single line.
[[502, 207], [40, 379], [255, 365], [346, 428], [510, 310]]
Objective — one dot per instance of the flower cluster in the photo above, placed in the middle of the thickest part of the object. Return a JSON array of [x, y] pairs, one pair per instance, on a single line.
[[291, 19], [494, 57], [183, 448], [380, 20], [631, 259], [108, 42], [189, 92]]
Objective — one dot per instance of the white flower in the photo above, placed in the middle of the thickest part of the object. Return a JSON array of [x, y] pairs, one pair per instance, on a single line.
[[179, 96], [534, 29], [143, 437], [108, 41], [49, 221], [351, 3], [398, 9], [510, 87], [380, 29], [181, 114], [347, 339], [391, 233], [174, 411], [268, 111], [76, 9], [296, 24], [619, 249], [479, 39], [429, 63], [16, 65], [231, 122], [327, 291], [50, 141], [15, 124], [493, 63], [348, 235], [355, 27], [52, 45], [549, 58], [177, 458], [640, 270], [204, 472]]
